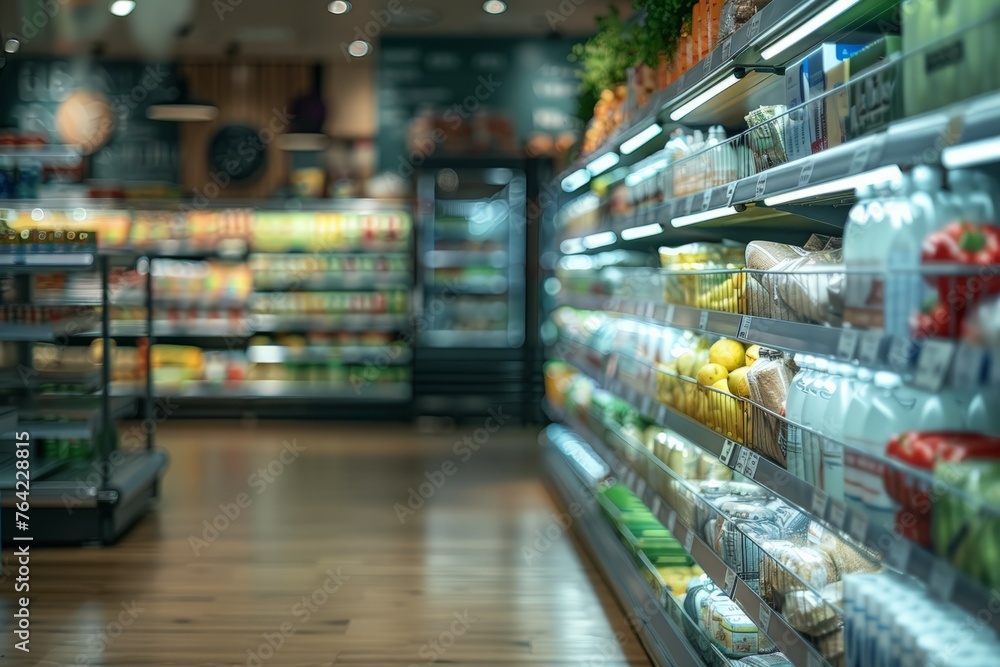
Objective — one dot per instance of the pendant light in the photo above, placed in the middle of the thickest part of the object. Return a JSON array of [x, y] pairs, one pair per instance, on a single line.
[[180, 107], [305, 133]]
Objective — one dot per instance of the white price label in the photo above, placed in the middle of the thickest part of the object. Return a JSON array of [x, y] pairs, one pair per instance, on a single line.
[[815, 533], [689, 541], [664, 595], [648, 309], [899, 555], [819, 502], [669, 316], [871, 344], [656, 506], [860, 160], [942, 580], [900, 353], [706, 200], [754, 26], [730, 193], [729, 585], [661, 414], [727, 49], [934, 363], [806, 174], [744, 330], [630, 480], [703, 320], [688, 205], [741, 461], [764, 617], [761, 186], [968, 367], [847, 344], [640, 485], [859, 527], [838, 512], [750, 468], [671, 521], [727, 452]]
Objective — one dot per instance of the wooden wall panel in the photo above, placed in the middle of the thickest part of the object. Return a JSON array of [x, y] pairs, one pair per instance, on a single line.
[[252, 93]]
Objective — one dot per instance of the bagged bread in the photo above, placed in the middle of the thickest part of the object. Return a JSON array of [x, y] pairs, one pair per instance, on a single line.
[[769, 379], [803, 284]]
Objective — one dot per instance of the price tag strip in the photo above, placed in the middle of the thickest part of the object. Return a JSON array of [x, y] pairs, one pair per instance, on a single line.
[[730, 193], [744, 330], [819, 502], [871, 344], [727, 452], [806, 174], [703, 320], [859, 527], [934, 364], [899, 555], [761, 186], [764, 616], [847, 344], [838, 512], [688, 541], [730, 583], [706, 200], [860, 161], [968, 368], [942, 580], [750, 467], [741, 460]]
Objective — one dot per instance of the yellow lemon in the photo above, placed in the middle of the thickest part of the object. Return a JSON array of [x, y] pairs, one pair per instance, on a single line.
[[752, 355], [738, 385], [728, 353], [709, 374], [722, 385]]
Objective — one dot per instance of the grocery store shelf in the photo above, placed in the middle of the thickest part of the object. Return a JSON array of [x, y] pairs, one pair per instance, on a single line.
[[234, 249], [73, 422], [47, 262], [46, 154], [47, 332], [389, 354], [440, 259], [31, 380], [869, 348], [337, 281], [944, 581], [664, 641], [796, 648], [288, 389], [345, 322], [370, 247]]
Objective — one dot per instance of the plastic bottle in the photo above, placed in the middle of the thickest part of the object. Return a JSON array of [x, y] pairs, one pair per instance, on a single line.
[[858, 256], [895, 247], [971, 195], [984, 412], [819, 393], [856, 477], [832, 428], [791, 435]]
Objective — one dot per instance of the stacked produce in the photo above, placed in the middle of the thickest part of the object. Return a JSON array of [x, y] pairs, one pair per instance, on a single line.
[[283, 231], [198, 229], [331, 303], [713, 279]]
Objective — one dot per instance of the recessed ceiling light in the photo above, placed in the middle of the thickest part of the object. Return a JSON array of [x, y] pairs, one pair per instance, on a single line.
[[338, 7], [359, 48], [122, 7], [494, 7], [12, 45]]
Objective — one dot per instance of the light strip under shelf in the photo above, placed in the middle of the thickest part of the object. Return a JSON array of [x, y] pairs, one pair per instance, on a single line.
[[642, 232], [807, 29], [847, 184], [576, 180], [602, 164], [704, 216], [641, 139], [599, 240], [971, 154], [686, 108]]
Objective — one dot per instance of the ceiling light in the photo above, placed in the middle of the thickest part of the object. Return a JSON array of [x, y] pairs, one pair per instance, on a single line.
[[642, 232], [122, 7], [12, 45], [338, 7], [599, 240], [182, 112], [697, 101], [807, 29], [576, 180], [848, 184], [301, 142], [494, 7], [603, 163], [571, 246], [359, 48], [641, 139], [971, 154], [704, 216]]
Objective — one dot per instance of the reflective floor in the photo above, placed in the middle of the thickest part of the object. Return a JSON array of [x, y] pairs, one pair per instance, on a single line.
[[283, 544]]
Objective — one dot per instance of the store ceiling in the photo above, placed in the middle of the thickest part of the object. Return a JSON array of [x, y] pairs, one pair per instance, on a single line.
[[286, 28]]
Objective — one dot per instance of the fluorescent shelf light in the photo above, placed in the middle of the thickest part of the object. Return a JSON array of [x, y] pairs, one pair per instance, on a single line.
[[577, 263], [848, 184], [641, 139], [686, 108], [572, 246], [576, 180], [972, 154], [599, 240], [704, 216], [807, 29], [642, 232], [602, 164], [122, 7]]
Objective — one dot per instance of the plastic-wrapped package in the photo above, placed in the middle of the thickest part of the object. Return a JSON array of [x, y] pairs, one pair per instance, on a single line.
[[814, 614], [769, 379], [803, 285], [767, 136], [736, 13]]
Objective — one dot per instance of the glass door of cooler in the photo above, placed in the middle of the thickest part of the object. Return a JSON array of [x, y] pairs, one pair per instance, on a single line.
[[471, 257]]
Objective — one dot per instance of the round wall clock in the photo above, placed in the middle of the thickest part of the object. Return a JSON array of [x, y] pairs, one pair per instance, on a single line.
[[237, 150]]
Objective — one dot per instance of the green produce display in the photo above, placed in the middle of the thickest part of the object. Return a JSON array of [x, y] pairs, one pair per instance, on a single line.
[[964, 533], [640, 530]]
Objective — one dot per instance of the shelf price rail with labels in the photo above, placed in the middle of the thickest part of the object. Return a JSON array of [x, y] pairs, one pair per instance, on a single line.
[[636, 382]]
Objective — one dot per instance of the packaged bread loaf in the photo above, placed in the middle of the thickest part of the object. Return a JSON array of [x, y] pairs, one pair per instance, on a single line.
[[803, 285], [769, 379]]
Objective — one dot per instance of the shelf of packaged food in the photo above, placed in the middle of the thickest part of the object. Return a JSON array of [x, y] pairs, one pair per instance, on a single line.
[[47, 262], [489, 287], [664, 641], [46, 154], [73, 422], [743, 48], [336, 281], [28, 379], [345, 322], [191, 301], [919, 360], [47, 332], [944, 581], [441, 259], [283, 389], [389, 354], [401, 247], [794, 646]]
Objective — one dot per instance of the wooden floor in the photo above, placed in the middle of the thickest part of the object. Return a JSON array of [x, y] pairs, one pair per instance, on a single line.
[[320, 561]]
